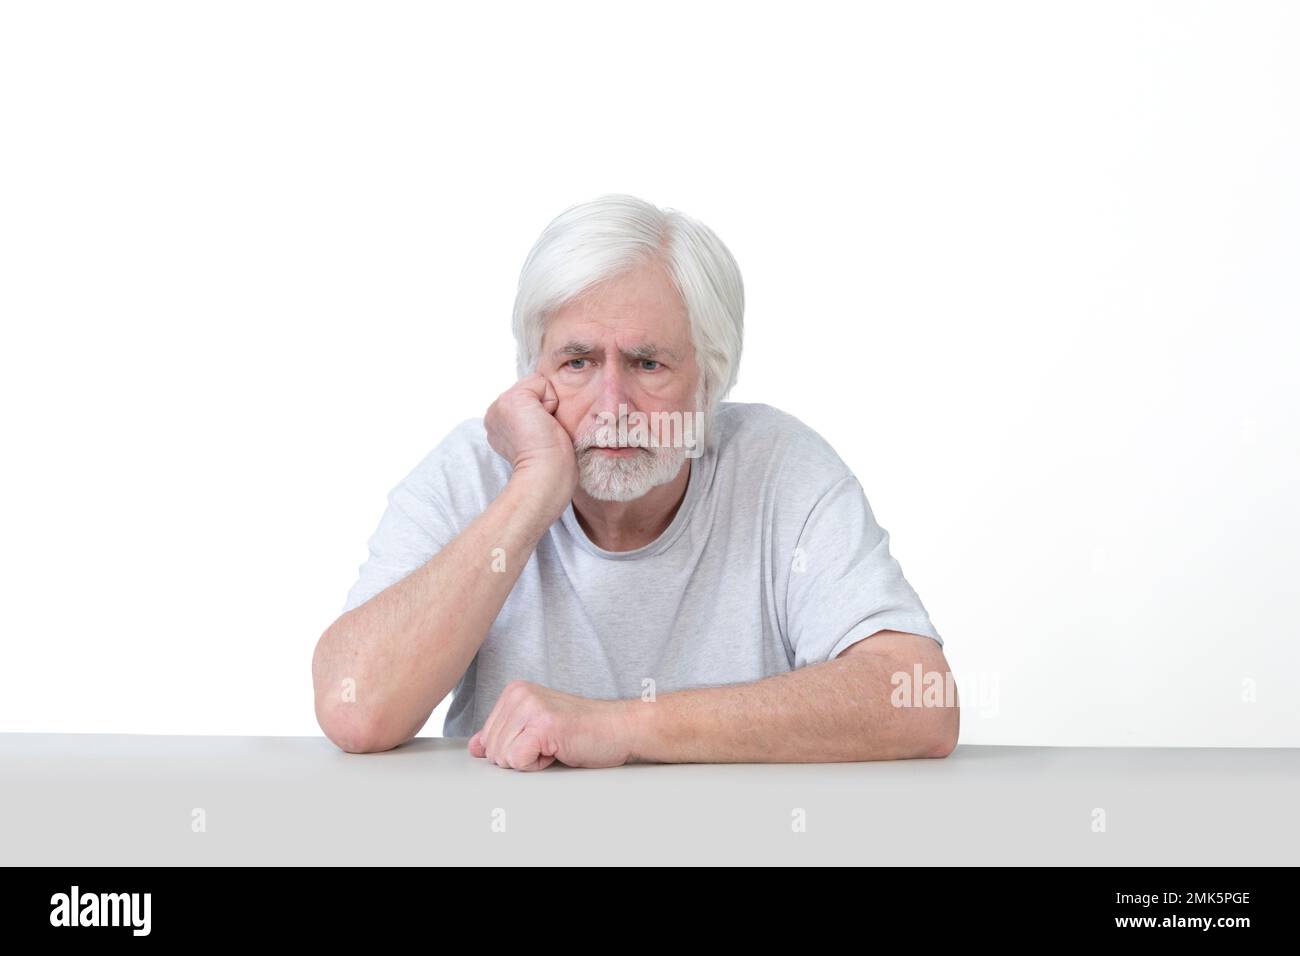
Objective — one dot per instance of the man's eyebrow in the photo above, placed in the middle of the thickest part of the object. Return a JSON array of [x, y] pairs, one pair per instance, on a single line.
[[572, 348], [648, 351], [635, 352]]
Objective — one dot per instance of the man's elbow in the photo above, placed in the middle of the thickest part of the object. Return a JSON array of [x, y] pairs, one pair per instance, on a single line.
[[943, 740], [348, 725], [353, 730], [944, 724]]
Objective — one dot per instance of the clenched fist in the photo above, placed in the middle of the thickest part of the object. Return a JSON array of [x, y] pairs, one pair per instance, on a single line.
[[532, 726], [522, 428]]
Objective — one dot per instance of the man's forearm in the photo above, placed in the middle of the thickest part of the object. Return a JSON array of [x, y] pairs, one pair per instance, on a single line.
[[381, 668], [840, 710]]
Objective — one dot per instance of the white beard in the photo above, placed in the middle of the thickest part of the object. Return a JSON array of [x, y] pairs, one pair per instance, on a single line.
[[617, 478], [608, 478]]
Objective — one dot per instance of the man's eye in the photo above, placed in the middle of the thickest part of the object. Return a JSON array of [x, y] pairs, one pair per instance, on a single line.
[[576, 368], [649, 365]]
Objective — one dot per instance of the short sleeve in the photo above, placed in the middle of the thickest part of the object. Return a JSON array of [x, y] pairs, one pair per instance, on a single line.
[[843, 583], [429, 507], [413, 528]]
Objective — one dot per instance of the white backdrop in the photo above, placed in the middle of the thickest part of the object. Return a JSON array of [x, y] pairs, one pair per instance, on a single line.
[[1031, 268]]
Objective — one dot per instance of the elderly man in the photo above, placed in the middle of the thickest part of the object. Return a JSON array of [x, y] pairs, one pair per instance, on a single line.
[[614, 565]]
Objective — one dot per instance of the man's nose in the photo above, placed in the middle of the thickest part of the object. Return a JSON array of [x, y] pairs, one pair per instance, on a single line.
[[614, 383]]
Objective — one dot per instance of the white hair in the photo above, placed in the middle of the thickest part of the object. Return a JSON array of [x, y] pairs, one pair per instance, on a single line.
[[600, 240]]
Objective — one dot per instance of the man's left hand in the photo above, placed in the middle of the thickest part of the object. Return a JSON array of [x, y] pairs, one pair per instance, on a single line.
[[532, 726]]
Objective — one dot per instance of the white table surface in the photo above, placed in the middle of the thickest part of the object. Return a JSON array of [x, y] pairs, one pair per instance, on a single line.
[[108, 799]]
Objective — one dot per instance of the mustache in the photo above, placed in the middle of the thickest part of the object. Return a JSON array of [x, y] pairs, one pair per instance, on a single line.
[[592, 440]]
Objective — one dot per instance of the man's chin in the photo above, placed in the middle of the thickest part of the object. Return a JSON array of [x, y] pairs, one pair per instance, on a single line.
[[612, 487], [623, 473], [607, 490], [608, 494]]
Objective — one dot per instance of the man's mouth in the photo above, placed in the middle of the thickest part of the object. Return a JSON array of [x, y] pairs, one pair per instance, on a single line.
[[625, 451]]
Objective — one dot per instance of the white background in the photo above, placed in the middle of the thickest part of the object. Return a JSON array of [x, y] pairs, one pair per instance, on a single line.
[[1030, 268]]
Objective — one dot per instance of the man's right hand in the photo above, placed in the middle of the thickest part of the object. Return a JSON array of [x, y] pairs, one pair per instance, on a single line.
[[522, 428]]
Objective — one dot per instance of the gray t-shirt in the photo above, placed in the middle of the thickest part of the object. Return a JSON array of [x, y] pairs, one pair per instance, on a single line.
[[773, 561]]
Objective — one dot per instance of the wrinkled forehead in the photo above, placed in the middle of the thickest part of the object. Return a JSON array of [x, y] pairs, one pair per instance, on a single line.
[[640, 309]]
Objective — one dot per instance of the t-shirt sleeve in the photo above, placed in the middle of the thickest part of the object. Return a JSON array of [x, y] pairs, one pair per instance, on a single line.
[[413, 528], [843, 583], [429, 507]]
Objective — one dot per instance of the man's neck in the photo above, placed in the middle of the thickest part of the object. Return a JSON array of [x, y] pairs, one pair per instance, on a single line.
[[628, 525]]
